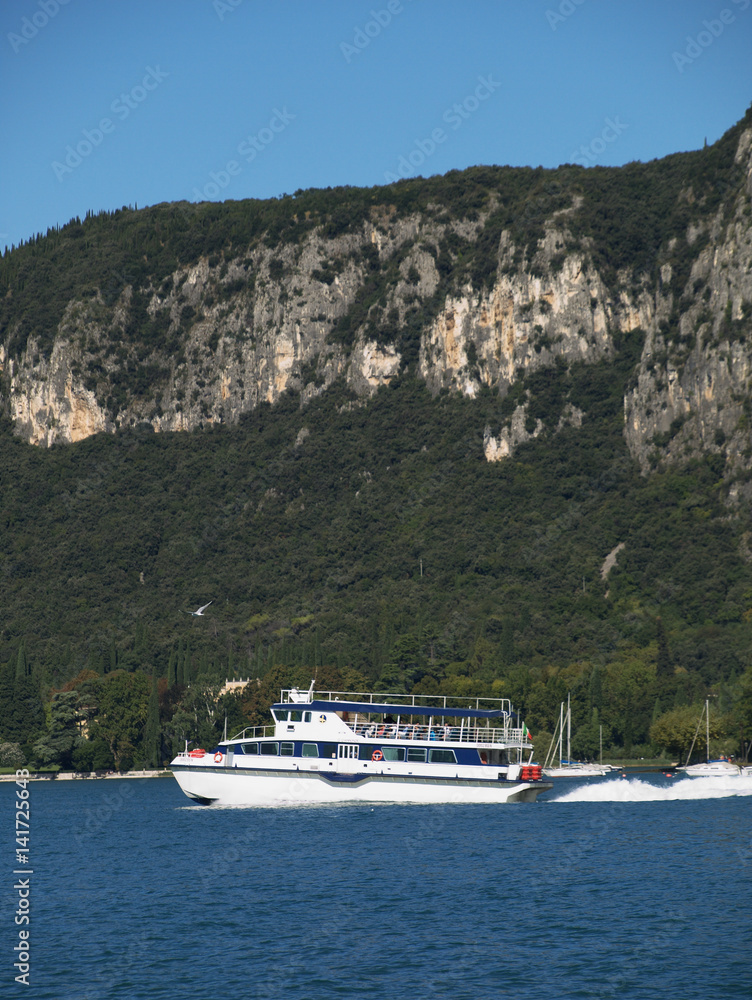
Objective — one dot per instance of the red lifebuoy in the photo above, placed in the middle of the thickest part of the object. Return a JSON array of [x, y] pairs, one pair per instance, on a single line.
[[218, 757], [377, 755]]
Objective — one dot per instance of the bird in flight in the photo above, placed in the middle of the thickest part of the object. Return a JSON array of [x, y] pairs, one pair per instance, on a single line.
[[200, 612]]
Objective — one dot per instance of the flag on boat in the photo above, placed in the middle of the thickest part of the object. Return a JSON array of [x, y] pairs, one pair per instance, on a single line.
[[526, 734]]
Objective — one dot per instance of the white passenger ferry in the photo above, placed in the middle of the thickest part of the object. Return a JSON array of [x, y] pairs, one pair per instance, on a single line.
[[340, 747]]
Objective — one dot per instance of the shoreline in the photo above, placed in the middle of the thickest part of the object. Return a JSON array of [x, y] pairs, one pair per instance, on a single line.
[[88, 775]]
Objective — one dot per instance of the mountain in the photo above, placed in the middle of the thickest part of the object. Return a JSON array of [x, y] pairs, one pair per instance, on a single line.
[[486, 431]]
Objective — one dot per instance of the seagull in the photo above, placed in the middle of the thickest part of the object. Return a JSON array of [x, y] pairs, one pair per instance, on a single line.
[[200, 612]]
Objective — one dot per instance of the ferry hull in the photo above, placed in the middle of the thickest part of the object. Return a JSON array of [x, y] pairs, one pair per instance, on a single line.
[[233, 787]]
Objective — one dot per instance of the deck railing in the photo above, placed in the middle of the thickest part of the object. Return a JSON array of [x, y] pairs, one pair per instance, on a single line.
[[486, 735], [256, 733], [295, 696]]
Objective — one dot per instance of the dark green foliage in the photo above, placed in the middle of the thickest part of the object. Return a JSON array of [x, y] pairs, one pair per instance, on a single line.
[[382, 542]]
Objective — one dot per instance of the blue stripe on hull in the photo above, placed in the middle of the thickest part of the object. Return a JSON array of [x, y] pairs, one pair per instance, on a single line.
[[338, 778]]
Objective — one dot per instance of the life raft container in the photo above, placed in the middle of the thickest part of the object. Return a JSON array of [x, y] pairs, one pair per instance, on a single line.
[[197, 753]]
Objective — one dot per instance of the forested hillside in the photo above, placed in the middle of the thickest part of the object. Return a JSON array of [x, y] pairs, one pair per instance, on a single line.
[[443, 527]]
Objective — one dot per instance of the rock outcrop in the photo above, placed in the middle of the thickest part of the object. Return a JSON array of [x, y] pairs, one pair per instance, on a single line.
[[229, 332]]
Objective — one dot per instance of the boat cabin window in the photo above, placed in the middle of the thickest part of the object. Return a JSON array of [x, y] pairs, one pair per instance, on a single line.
[[286, 749], [393, 753], [269, 749], [442, 756], [310, 750], [307, 717], [280, 715], [249, 748], [296, 715], [416, 753], [348, 751]]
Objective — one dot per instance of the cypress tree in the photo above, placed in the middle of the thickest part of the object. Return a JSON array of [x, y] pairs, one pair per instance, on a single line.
[[152, 731], [187, 665], [27, 716], [663, 664], [21, 665], [596, 688], [6, 699], [507, 642]]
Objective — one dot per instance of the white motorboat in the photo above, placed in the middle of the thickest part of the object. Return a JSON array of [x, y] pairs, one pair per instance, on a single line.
[[339, 747]]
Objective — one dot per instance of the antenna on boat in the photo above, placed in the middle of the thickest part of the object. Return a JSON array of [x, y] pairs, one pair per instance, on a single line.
[[224, 737], [310, 690]]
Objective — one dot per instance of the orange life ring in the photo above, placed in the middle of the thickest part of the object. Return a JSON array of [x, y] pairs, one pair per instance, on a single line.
[[218, 757], [377, 755]]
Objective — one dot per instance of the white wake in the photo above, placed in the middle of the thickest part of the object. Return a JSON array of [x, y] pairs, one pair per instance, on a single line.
[[669, 789]]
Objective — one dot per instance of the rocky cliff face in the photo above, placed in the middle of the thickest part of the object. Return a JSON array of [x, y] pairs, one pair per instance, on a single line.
[[692, 391], [219, 337]]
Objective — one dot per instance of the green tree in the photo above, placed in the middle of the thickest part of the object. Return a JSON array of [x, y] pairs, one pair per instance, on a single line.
[[26, 721], [123, 710], [675, 731], [11, 755], [586, 741], [152, 740], [57, 745], [7, 683]]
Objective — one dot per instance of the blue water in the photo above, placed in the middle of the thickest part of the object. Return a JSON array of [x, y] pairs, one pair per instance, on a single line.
[[138, 894]]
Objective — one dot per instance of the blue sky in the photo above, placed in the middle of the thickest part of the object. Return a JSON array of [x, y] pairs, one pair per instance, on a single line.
[[123, 102]]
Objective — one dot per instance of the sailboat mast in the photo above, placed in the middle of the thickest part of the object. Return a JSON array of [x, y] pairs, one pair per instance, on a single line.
[[707, 729], [569, 731]]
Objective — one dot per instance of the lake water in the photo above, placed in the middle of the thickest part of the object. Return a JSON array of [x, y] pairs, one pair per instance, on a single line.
[[620, 888]]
